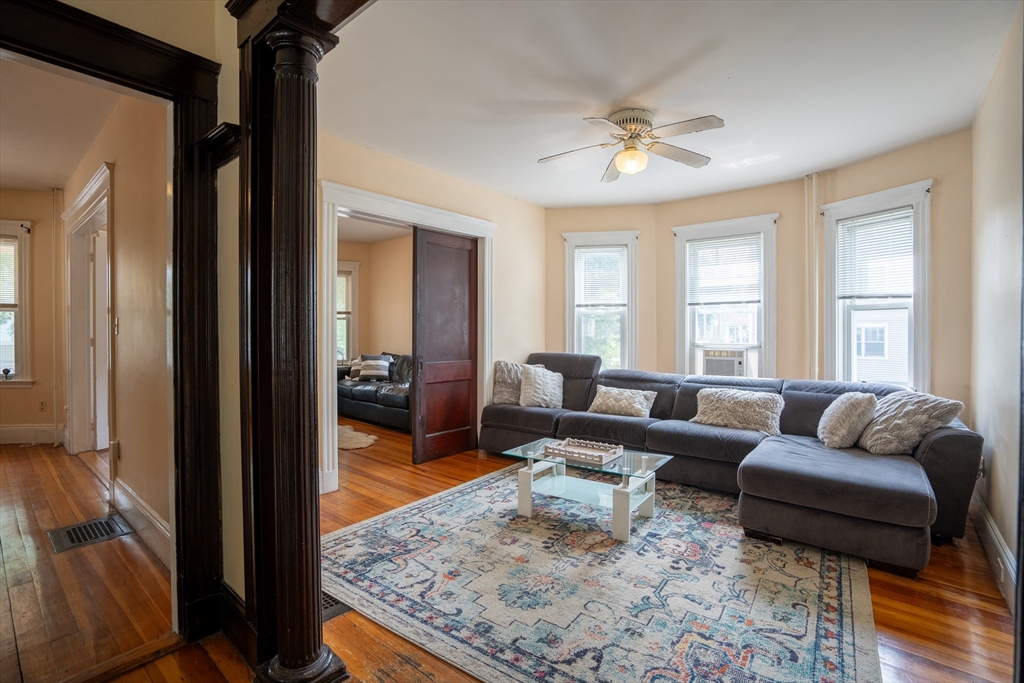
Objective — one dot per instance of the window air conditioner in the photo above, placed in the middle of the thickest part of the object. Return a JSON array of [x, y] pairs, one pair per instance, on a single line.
[[725, 362]]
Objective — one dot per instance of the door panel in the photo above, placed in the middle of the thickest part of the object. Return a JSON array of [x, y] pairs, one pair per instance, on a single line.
[[444, 345]]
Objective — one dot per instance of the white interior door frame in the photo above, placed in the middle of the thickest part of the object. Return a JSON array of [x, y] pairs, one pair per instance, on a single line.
[[335, 198], [90, 212]]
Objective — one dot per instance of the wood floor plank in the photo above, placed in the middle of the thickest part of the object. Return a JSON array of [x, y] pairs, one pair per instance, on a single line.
[[227, 659]]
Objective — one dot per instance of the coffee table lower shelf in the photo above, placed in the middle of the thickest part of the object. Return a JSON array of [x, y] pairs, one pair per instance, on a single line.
[[636, 492]]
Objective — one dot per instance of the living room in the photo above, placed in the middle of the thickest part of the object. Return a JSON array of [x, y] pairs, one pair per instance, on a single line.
[[454, 115]]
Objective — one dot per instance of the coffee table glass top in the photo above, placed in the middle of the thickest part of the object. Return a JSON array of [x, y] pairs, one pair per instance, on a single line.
[[630, 462]]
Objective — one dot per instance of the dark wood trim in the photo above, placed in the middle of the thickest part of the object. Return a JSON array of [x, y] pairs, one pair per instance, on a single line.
[[220, 145], [126, 661], [60, 34], [237, 629]]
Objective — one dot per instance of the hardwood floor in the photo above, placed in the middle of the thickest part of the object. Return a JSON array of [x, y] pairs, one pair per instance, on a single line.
[[950, 624], [62, 614]]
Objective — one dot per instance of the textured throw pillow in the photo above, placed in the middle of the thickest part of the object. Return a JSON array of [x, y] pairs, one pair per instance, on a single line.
[[628, 402], [357, 366], [374, 371], [902, 419], [843, 422], [508, 382], [541, 388], [757, 411]]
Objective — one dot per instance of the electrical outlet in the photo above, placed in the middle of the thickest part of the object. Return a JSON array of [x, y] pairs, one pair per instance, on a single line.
[[42, 406]]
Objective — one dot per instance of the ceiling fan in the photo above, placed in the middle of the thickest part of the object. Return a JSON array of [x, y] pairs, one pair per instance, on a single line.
[[634, 128]]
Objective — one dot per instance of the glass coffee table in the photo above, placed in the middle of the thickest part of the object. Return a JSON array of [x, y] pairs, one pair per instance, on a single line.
[[635, 492]]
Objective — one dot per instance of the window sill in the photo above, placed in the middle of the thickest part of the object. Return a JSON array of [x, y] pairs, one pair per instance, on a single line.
[[16, 383]]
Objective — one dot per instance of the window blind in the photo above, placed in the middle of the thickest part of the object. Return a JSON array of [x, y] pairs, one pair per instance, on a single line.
[[875, 258], [602, 276], [341, 301], [725, 270], [8, 271]]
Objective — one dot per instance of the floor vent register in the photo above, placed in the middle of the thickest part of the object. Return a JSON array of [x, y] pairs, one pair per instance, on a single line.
[[89, 532]]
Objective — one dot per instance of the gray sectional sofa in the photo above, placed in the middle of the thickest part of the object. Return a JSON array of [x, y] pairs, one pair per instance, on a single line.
[[886, 508]]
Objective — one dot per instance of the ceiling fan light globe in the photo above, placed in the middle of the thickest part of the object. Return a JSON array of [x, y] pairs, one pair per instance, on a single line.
[[630, 161]]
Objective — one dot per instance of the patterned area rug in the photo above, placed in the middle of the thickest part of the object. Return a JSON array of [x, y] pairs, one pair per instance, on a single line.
[[350, 440], [555, 598]]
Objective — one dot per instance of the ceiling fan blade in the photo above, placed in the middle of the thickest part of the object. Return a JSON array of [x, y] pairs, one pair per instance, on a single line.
[[684, 127], [572, 151], [683, 156], [611, 174], [607, 126]]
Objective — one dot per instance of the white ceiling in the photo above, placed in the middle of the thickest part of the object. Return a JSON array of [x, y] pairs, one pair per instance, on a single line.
[[47, 124], [357, 230], [480, 90]]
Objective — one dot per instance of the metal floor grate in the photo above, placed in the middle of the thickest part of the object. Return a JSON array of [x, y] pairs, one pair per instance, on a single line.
[[87, 533], [332, 606]]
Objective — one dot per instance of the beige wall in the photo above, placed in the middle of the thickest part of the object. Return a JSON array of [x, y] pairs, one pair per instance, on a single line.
[[996, 321], [385, 293], [947, 159], [20, 406], [518, 242], [134, 139]]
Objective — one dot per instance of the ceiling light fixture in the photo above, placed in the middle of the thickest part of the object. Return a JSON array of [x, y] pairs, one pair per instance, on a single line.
[[630, 160]]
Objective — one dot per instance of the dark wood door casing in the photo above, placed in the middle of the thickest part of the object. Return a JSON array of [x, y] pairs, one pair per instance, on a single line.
[[444, 344]]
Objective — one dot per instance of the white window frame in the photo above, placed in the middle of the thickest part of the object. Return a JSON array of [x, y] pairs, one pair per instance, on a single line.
[[615, 238], [766, 225], [352, 269], [918, 197], [23, 335]]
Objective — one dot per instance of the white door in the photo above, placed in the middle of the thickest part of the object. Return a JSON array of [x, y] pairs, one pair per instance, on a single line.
[[100, 327]]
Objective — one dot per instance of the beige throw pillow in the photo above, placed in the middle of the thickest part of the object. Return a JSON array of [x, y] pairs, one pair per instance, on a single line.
[[842, 422], [628, 402], [757, 411], [902, 419], [508, 382], [541, 388]]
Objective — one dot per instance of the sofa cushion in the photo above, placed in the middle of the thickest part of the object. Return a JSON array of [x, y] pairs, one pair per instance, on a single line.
[[345, 387], [680, 437], [394, 396], [663, 384], [807, 399], [508, 382], [628, 402], [540, 421], [365, 392], [578, 372], [540, 388], [739, 409], [902, 419], [627, 431], [843, 422], [685, 406], [800, 470]]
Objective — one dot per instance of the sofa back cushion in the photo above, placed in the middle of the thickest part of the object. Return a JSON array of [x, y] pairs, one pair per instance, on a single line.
[[578, 372], [806, 401], [685, 406], [662, 384]]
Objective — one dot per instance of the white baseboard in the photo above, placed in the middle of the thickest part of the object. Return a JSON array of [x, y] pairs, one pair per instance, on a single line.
[[328, 481], [1000, 557], [154, 531], [29, 434]]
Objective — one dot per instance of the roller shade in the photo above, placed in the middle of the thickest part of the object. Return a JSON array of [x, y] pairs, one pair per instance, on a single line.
[[8, 272], [875, 258], [725, 270], [602, 276]]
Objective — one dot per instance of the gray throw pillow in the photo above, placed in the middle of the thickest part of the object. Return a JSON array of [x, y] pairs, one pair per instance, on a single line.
[[541, 388], [756, 411], [374, 371], [902, 419], [628, 402], [843, 422], [357, 366], [508, 382]]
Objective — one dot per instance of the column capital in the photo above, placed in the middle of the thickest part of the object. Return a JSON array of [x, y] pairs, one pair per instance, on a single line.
[[289, 38]]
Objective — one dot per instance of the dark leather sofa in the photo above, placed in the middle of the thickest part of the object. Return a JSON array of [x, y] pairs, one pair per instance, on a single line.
[[886, 508], [384, 403]]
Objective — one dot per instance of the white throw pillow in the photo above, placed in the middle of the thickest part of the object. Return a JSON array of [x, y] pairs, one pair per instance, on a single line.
[[374, 371], [508, 382], [902, 419], [757, 411], [541, 388], [628, 402], [843, 422]]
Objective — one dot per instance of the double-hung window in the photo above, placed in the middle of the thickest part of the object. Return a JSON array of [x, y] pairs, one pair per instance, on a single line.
[[601, 296], [725, 280], [14, 298], [345, 302], [876, 287]]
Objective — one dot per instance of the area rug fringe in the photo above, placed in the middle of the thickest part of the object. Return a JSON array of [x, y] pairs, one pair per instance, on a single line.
[[509, 599]]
